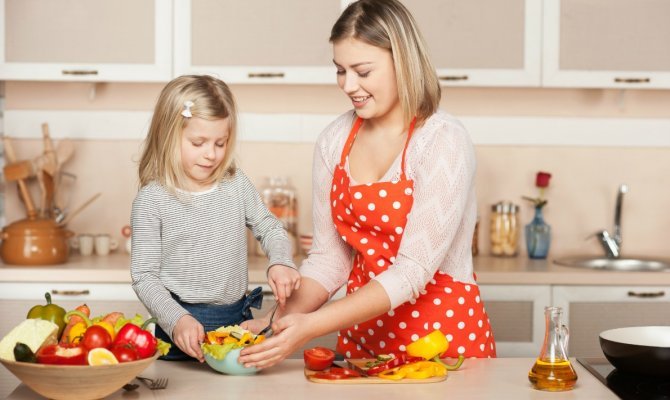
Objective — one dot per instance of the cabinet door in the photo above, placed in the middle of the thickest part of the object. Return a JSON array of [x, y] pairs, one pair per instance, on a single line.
[[517, 317], [482, 42], [590, 310], [256, 41], [83, 40], [606, 43]]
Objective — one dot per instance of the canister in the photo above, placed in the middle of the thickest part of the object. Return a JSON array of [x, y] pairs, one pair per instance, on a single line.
[[504, 228]]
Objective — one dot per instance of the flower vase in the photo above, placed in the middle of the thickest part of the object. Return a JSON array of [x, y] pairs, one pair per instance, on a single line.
[[538, 236]]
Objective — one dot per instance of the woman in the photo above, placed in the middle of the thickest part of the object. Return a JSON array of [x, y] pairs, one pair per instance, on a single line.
[[394, 206]]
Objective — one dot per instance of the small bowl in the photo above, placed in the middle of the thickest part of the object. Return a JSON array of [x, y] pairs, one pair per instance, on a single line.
[[640, 350], [76, 381], [229, 365]]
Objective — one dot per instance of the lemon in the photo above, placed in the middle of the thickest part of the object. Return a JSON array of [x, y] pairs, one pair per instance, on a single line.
[[101, 356]]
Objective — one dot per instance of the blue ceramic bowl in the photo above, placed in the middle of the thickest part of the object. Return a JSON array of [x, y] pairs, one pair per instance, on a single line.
[[229, 365]]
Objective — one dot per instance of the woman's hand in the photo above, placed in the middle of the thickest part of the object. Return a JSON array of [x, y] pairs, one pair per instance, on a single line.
[[283, 281], [188, 334], [290, 332]]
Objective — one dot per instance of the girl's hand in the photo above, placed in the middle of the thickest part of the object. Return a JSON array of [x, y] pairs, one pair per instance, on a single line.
[[290, 332], [283, 281], [188, 334]]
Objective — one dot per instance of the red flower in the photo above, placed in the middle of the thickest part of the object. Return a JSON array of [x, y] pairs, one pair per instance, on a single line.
[[541, 182], [542, 179]]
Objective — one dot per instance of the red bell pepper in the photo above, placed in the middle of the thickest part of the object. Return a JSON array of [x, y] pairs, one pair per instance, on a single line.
[[62, 354], [143, 340], [402, 359]]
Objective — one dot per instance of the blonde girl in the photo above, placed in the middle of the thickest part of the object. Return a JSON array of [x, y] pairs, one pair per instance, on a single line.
[[190, 217]]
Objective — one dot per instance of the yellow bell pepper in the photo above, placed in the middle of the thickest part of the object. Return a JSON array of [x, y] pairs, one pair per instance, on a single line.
[[416, 370], [393, 374], [430, 347], [77, 332], [108, 327]]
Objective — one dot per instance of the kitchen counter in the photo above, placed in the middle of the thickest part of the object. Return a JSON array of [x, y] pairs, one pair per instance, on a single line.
[[504, 378], [114, 268]]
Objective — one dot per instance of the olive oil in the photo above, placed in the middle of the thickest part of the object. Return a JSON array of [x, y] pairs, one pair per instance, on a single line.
[[552, 376]]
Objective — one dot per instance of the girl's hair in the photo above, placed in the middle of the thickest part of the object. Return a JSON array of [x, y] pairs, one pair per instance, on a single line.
[[389, 25], [161, 158]]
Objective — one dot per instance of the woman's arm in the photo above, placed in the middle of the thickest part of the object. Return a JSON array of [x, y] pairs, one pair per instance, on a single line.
[[296, 329]]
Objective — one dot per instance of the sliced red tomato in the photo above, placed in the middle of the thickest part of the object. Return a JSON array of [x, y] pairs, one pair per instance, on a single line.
[[318, 358], [337, 373]]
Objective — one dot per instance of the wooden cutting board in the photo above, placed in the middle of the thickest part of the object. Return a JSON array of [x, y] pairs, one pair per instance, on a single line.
[[359, 364]]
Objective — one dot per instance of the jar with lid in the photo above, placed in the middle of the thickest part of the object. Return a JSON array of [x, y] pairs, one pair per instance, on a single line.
[[280, 198], [504, 228]]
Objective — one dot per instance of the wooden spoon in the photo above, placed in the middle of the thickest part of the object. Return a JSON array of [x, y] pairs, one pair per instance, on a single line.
[[23, 189]]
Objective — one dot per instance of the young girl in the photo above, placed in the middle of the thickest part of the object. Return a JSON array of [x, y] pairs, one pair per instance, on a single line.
[[394, 206], [189, 220]]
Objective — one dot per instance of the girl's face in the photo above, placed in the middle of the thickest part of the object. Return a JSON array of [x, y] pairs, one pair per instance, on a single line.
[[366, 74], [203, 147]]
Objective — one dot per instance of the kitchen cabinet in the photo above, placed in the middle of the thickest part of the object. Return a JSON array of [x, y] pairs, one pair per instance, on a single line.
[[606, 43], [261, 41], [516, 313], [482, 42], [590, 310], [16, 299], [79, 40]]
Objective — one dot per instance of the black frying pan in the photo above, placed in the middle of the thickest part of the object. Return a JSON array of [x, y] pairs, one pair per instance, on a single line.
[[642, 350]]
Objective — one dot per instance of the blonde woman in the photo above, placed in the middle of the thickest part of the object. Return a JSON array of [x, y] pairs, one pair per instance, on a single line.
[[190, 216], [394, 206]]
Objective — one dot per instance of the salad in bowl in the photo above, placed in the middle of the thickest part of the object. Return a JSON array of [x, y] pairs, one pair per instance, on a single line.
[[222, 348]]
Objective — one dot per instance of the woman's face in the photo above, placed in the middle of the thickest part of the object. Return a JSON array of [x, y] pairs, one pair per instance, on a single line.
[[366, 74], [203, 147]]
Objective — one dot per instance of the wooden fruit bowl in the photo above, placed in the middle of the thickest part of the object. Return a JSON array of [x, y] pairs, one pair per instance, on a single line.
[[82, 382]]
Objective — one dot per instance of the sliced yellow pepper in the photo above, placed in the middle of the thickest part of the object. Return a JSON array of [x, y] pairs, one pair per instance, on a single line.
[[246, 339], [259, 339], [229, 339], [394, 374]]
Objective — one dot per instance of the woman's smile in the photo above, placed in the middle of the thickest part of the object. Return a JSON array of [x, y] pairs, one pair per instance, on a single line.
[[360, 101]]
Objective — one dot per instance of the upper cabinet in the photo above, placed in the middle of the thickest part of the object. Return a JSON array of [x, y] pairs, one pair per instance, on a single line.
[[482, 42], [85, 40], [606, 43], [256, 41]]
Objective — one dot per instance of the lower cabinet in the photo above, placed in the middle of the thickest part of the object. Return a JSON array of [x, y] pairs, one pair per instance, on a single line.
[[590, 310], [516, 313]]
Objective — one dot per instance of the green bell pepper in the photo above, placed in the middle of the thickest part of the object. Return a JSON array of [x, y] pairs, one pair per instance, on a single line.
[[49, 312]]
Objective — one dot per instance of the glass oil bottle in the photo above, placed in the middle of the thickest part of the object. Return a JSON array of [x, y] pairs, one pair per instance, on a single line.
[[552, 370]]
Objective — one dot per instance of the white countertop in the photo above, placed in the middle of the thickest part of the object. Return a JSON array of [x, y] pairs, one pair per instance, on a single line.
[[502, 378], [115, 268]]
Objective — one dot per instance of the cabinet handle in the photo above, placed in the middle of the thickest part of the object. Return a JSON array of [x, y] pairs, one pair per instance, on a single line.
[[646, 294], [71, 292], [79, 72], [453, 78], [632, 80], [266, 74]]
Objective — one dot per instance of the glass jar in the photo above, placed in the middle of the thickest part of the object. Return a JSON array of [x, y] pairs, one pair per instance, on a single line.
[[281, 199], [504, 228]]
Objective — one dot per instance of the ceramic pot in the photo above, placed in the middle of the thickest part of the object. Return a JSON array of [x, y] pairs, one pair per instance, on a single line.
[[37, 241]]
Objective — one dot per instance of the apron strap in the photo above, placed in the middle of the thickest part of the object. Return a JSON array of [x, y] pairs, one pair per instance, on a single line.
[[352, 136]]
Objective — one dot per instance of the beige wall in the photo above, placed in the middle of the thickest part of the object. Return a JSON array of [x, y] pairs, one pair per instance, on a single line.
[[581, 195]]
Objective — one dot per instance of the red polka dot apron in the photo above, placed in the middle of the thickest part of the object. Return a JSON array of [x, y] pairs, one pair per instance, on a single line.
[[371, 218]]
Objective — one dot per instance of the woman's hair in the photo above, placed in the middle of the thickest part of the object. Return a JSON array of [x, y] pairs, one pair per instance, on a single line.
[[389, 25], [161, 158]]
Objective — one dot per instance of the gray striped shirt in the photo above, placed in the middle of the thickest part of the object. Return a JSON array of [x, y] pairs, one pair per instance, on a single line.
[[197, 249]]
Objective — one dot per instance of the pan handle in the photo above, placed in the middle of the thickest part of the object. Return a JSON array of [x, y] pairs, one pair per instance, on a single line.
[[646, 294]]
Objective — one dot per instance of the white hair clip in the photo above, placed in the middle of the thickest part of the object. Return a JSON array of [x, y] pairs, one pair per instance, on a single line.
[[187, 109]]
